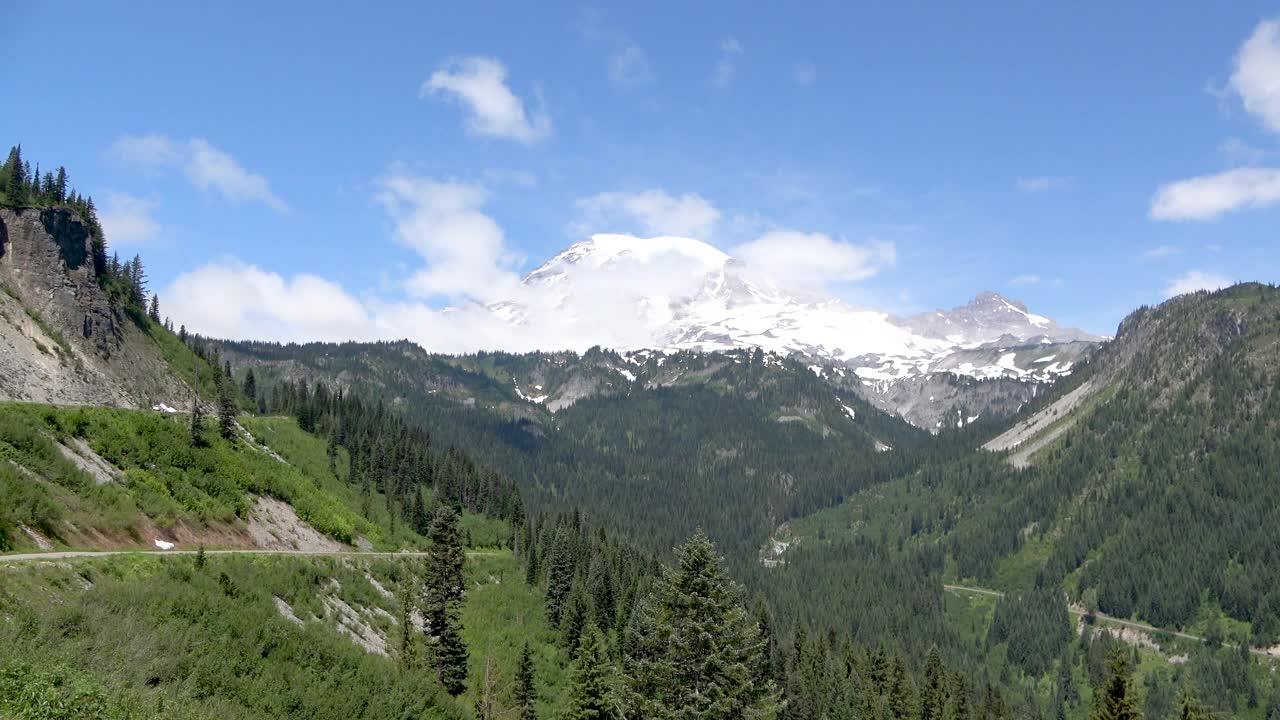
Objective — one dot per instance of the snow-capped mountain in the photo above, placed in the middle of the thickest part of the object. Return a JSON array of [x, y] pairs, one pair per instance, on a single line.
[[672, 293]]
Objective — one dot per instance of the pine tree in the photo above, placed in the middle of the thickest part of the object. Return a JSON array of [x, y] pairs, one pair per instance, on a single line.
[[450, 655], [197, 420], [934, 695], [226, 408], [603, 601], [958, 698], [1116, 701], [692, 649], [408, 657], [60, 185], [526, 692], [1189, 709], [901, 693], [16, 188], [444, 591], [250, 386], [593, 691], [154, 311]]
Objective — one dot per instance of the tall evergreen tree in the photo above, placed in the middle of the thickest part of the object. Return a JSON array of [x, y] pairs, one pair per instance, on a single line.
[[154, 311], [593, 691], [933, 697], [250, 385], [1116, 701], [692, 650], [226, 408], [526, 692], [444, 592]]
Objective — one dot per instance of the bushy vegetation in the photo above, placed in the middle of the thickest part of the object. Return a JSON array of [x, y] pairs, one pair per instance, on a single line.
[[164, 476]]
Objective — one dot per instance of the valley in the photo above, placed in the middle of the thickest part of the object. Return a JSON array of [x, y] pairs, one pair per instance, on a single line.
[[978, 500]]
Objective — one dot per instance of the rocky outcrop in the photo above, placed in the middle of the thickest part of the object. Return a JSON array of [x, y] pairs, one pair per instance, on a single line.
[[61, 339]]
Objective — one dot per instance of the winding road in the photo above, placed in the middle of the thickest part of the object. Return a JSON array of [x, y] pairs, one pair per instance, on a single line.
[[1272, 653], [66, 554]]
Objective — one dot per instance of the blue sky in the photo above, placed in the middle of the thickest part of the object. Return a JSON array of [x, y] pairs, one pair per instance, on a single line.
[[1085, 158]]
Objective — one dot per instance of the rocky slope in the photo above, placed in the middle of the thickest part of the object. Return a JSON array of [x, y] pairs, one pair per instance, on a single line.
[[61, 339]]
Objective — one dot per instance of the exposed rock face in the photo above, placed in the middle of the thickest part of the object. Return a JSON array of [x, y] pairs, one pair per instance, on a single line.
[[61, 340]]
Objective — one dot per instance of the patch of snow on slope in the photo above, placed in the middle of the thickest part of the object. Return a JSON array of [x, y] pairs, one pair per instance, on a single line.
[[539, 399], [1047, 358]]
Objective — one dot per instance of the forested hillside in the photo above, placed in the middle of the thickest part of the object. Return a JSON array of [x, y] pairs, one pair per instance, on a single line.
[[734, 443]]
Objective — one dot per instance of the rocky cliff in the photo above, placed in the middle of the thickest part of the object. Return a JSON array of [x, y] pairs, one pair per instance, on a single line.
[[61, 339]]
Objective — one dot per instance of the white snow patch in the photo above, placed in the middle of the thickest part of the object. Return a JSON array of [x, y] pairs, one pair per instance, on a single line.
[[163, 408], [164, 544], [539, 399], [1046, 358]]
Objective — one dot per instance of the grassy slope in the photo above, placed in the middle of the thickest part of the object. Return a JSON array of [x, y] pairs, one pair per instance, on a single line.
[[163, 638], [164, 479]]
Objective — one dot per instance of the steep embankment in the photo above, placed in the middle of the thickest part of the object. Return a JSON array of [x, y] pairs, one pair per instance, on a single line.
[[62, 339]]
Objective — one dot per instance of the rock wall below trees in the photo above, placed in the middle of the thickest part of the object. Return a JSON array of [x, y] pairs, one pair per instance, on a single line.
[[61, 339]]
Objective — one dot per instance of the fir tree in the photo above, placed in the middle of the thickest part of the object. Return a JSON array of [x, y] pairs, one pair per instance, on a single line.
[[407, 657], [934, 695], [154, 311], [250, 386], [692, 649], [901, 693], [593, 691], [450, 656], [444, 591], [526, 693], [1116, 702], [226, 408], [60, 185], [16, 187], [197, 420]]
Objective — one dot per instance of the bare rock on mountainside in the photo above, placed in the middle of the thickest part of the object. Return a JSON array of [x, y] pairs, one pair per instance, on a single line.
[[61, 339]]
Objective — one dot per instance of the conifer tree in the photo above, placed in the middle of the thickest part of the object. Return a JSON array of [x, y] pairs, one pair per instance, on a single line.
[[1116, 702], [60, 185], [958, 698], [154, 311], [197, 419], [407, 657], [593, 691], [934, 695], [526, 692], [692, 649], [901, 693], [444, 591], [250, 385], [226, 408]]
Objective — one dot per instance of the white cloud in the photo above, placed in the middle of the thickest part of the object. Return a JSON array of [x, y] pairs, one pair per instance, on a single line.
[[234, 300], [127, 220], [1210, 196], [651, 212], [146, 151], [1256, 79], [813, 261], [1162, 251], [722, 75], [804, 74], [629, 66], [1024, 280], [206, 167], [464, 250], [1042, 183], [480, 85], [1194, 280]]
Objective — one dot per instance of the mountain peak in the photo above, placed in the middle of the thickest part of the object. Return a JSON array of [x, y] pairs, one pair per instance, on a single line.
[[614, 250], [994, 300]]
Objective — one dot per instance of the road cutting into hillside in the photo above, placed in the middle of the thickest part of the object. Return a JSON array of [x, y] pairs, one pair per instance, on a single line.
[[1272, 653], [69, 554]]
